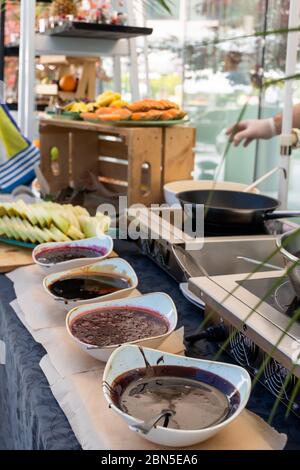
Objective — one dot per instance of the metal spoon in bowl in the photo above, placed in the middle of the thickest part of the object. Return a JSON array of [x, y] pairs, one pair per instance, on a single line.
[[146, 426]]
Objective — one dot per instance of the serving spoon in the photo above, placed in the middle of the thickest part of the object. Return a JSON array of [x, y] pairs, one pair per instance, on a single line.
[[146, 426]]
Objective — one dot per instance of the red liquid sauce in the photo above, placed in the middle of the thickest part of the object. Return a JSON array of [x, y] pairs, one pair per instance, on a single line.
[[118, 325]]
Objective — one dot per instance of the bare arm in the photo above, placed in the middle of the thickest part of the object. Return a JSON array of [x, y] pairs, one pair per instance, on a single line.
[[296, 119]]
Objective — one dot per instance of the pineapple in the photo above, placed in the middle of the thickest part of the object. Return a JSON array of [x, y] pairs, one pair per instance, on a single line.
[[63, 8]]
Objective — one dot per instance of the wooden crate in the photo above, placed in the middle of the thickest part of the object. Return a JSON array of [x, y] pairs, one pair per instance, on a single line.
[[134, 162]]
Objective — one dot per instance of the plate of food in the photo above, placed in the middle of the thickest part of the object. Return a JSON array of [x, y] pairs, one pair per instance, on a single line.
[[27, 225], [175, 122], [144, 113], [73, 110]]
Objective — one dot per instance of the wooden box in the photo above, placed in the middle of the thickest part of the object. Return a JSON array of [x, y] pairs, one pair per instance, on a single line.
[[130, 161]]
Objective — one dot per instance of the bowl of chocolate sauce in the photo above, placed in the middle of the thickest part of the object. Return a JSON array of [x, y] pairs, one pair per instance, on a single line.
[[203, 397], [99, 329], [105, 280], [58, 257]]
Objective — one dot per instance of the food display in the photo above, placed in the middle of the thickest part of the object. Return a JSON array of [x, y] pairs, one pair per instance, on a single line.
[[106, 101], [63, 8], [145, 110], [90, 11], [118, 325], [109, 107], [48, 222]]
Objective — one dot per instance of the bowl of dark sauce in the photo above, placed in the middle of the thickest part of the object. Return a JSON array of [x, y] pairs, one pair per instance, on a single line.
[[105, 280], [55, 257], [146, 320], [203, 396]]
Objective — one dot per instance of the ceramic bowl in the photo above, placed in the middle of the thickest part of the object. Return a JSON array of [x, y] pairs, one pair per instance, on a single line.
[[103, 243], [172, 189], [117, 266], [129, 357], [157, 302]]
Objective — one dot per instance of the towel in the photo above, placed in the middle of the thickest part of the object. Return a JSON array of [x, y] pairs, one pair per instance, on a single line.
[[21, 155]]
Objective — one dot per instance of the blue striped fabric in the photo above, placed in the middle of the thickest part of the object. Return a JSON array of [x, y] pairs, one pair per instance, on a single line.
[[19, 169]]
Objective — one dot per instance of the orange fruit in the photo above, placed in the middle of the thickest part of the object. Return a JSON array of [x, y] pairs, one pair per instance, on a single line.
[[68, 83]]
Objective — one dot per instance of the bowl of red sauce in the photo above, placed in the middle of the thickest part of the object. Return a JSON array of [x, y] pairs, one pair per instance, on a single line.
[[100, 328], [55, 257]]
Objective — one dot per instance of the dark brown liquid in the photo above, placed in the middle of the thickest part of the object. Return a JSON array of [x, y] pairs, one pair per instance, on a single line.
[[89, 286], [69, 253], [199, 399], [119, 325]]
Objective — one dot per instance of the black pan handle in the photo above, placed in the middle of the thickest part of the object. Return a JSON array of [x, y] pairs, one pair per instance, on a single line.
[[281, 215]]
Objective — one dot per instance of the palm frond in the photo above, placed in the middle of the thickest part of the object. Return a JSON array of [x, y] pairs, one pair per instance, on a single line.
[[163, 4]]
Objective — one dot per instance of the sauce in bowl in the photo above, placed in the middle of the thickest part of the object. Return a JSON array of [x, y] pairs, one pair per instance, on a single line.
[[118, 325], [68, 253], [199, 399], [89, 286]]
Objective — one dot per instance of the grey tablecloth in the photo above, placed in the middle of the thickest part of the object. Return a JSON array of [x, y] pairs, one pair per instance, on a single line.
[[30, 417]]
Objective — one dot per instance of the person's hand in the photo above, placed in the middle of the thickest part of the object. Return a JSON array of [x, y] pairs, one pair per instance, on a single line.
[[248, 131]]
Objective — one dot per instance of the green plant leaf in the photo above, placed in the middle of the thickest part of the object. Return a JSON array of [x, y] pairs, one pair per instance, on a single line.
[[164, 4]]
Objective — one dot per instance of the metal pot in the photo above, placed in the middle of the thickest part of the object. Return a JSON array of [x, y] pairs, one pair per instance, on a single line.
[[289, 246]]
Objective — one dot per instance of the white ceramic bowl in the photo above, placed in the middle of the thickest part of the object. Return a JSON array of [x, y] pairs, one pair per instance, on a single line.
[[129, 357], [158, 302], [117, 266], [172, 189], [102, 242]]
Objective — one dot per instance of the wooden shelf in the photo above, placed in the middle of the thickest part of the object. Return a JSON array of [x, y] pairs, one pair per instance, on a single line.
[[81, 29], [77, 47]]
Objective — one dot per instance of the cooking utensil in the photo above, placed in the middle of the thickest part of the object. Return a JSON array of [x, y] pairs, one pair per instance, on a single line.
[[260, 180], [260, 263], [289, 246], [234, 208], [172, 189], [146, 426]]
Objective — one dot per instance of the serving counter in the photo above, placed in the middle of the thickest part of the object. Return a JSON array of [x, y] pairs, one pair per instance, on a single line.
[[30, 416]]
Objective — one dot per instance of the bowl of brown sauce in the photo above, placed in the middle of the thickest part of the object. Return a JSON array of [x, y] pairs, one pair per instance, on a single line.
[[58, 257], [202, 397], [105, 280], [99, 329]]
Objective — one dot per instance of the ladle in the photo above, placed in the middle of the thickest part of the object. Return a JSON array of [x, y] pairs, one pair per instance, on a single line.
[[146, 426]]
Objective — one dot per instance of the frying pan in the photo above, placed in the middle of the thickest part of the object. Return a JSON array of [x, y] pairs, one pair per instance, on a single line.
[[234, 207]]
